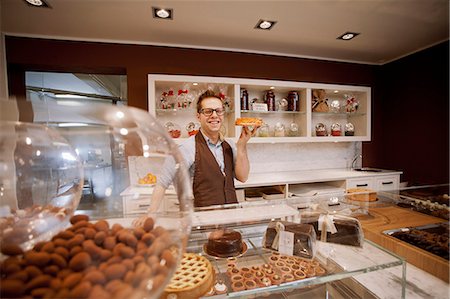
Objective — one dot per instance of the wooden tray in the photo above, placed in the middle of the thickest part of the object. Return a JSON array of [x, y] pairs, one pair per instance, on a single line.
[[388, 218]]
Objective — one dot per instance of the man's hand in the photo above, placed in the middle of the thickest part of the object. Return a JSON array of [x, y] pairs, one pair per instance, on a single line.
[[246, 134]]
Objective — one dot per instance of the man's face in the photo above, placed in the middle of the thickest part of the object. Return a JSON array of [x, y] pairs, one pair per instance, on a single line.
[[210, 124]]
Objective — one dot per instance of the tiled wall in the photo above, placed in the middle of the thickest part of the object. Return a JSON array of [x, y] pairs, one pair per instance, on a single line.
[[302, 156]]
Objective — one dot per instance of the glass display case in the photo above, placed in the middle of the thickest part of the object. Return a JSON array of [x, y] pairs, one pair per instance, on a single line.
[[341, 270]]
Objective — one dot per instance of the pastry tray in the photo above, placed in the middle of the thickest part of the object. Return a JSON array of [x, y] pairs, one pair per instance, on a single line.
[[439, 231]]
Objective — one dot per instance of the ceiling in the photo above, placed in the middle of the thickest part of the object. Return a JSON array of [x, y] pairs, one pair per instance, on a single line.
[[390, 29]]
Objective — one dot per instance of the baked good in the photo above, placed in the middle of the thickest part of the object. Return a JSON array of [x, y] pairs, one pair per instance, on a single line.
[[304, 237], [224, 243], [249, 121], [193, 278], [361, 194], [349, 230], [434, 238]]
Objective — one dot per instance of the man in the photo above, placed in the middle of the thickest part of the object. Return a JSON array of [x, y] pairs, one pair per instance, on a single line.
[[212, 161]]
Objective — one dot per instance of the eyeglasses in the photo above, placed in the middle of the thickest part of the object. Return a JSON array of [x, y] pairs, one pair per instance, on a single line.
[[209, 111]]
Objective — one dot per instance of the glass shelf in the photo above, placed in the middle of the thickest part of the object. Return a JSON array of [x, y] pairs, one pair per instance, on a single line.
[[183, 110], [347, 114], [272, 112]]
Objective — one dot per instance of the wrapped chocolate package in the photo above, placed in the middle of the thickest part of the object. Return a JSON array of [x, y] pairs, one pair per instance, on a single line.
[[335, 228], [290, 238]]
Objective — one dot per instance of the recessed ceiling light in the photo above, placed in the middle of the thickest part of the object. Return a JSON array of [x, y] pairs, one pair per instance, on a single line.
[[162, 13], [348, 35], [265, 24], [37, 3]]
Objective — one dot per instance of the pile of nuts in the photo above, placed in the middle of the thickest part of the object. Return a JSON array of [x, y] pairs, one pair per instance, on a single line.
[[90, 260], [18, 226]]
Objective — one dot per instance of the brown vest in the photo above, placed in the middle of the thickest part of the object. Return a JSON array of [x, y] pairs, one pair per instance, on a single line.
[[211, 186]]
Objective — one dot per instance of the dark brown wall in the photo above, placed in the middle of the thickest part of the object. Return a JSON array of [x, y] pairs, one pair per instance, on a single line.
[[137, 61], [414, 113]]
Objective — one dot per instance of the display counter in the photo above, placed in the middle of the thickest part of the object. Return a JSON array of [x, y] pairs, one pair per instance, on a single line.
[[368, 271], [342, 265]]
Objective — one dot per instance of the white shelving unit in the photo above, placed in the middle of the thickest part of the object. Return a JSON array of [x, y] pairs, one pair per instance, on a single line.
[[231, 87]]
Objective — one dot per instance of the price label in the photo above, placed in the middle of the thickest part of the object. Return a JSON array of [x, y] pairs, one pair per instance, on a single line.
[[286, 243], [259, 107]]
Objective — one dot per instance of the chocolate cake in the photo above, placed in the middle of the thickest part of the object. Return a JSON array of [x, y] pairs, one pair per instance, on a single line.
[[349, 230], [224, 243], [304, 237]]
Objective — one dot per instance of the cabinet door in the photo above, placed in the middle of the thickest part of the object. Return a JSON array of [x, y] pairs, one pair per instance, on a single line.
[[360, 183], [387, 183], [340, 113]]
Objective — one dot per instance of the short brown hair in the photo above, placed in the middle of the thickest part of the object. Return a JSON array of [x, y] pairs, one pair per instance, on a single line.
[[207, 94]]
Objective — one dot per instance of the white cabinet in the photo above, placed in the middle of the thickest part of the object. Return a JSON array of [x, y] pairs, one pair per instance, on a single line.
[[172, 100], [360, 183], [377, 183], [391, 182]]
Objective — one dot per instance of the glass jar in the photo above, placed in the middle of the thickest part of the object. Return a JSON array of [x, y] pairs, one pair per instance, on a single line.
[[335, 129], [46, 176], [244, 100], [279, 130], [293, 101], [349, 129], [293, 130], [173, 129], [192, 128], [269, 99], [264, 131], [321, 130]]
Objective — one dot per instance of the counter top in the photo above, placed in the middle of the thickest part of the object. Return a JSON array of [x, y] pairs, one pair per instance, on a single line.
[[387, 283], [308, 176]]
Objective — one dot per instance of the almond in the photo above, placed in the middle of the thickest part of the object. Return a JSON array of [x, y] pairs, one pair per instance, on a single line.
[[63, 252], [99, 237], [89, 233], [71, 280], [11, 249], [76, 218], [148, 224], [109, 243], [41, 281], [58, 260], [12, 288], [39, 259], [82, 290], [115, 271], [49, 247], [102, 225], [95, 277], [80, 261]]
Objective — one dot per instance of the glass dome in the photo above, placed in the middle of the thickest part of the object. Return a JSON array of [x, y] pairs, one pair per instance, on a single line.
[[101, 165], [41, 183]]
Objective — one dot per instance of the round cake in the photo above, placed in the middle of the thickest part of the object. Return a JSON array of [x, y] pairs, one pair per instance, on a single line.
[[224, 243], [193, 278]]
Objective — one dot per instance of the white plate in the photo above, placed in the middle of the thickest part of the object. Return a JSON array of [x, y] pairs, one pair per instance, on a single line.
[[145, 185]]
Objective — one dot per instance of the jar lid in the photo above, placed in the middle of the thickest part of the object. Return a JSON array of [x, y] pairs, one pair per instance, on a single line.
[[336, 127], [320, 127], [349, 127]]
